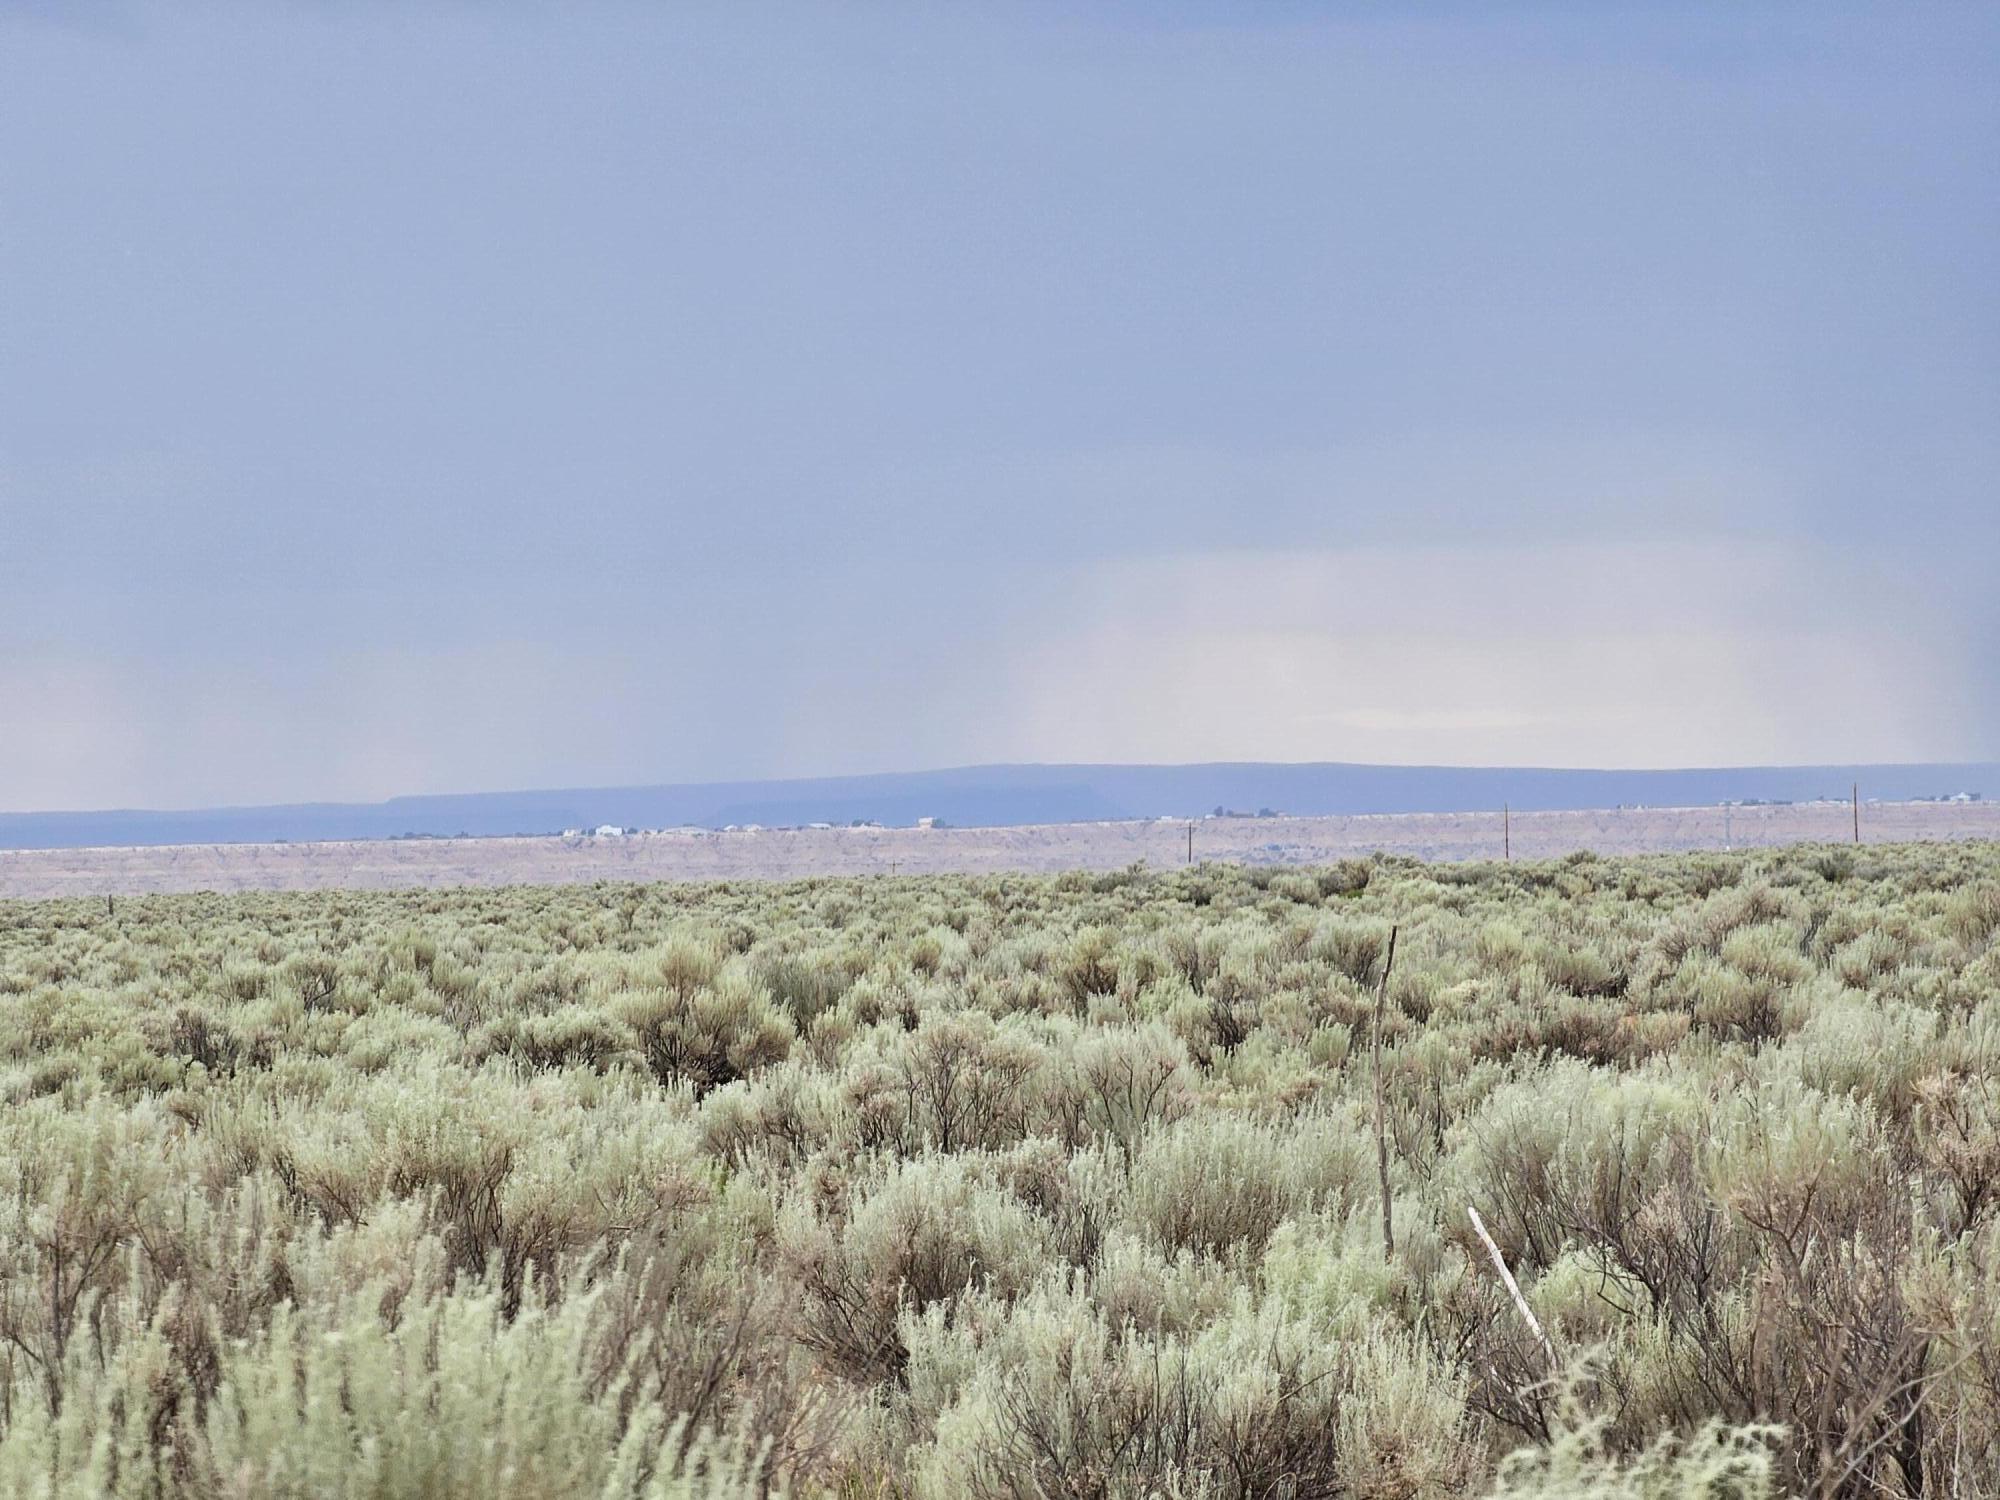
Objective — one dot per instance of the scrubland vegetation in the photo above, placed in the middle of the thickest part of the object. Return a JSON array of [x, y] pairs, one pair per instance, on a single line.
[[1013, 1187]]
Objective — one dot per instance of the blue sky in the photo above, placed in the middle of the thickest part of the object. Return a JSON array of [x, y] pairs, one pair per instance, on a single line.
[[430, 397]]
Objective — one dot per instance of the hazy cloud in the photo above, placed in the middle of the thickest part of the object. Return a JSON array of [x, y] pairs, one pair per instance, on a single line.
[[1661, 654]]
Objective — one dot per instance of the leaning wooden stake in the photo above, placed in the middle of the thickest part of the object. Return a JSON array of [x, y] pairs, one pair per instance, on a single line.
[[1513, 1287], [1381, 1130]]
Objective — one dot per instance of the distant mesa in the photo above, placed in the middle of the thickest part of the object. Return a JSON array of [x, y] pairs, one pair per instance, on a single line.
[[1005, 795]]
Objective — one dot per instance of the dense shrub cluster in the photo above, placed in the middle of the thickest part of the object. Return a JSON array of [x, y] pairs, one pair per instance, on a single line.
[[1013, 1187]]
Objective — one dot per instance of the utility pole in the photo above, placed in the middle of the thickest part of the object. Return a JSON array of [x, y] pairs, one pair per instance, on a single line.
[[1190, 853], [1506, 832], [1857, 812]]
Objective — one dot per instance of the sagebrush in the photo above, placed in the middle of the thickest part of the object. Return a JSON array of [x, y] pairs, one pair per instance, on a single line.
[[1013, 1186]]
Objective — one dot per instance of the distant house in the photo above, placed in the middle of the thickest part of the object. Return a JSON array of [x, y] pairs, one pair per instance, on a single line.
[[819, 825], [927, 822], [608, 831]]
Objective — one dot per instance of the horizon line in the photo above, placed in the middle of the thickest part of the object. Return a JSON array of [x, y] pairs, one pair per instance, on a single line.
[[128, 810]]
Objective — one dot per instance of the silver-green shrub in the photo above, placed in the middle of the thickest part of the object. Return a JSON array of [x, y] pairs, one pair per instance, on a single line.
[[1014, 1186]]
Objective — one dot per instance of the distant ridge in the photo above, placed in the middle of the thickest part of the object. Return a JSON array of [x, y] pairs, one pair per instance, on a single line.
[[993, 796]]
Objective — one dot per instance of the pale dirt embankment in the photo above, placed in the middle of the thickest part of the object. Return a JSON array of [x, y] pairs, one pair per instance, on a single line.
[[787, 853]]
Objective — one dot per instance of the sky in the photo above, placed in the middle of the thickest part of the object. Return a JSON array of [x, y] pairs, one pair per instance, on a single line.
[[435, 397]]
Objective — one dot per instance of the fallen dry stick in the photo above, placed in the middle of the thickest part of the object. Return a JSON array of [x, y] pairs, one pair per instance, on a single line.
[[1513, 1287]]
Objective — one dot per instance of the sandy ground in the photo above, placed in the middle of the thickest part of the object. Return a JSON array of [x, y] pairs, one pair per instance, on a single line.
[[784, 853]]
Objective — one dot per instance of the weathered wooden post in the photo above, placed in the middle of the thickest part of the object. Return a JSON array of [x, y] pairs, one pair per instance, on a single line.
[[1381, 1130]]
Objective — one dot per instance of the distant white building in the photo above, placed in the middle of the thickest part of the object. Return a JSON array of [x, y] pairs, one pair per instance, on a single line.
[[927, 822], [608, 831]]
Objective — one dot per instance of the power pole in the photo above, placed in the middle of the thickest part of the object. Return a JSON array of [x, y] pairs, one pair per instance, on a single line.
[[1506, 832], [1857, 812], [1190, 853]]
